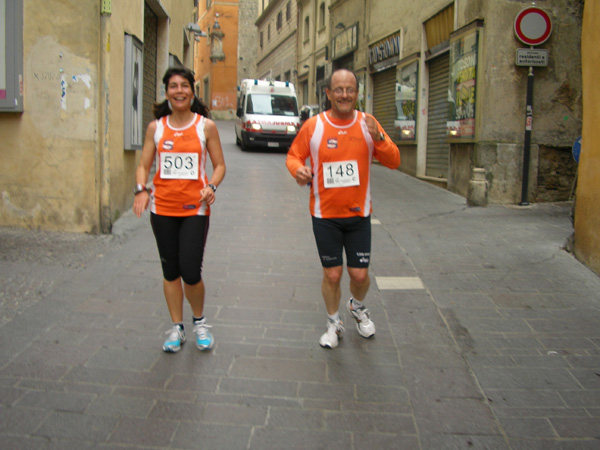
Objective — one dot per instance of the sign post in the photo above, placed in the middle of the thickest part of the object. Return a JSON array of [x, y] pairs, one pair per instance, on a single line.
[[532, 27]]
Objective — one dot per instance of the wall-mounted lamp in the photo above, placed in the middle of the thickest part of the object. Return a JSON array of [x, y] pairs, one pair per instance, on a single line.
[[195, 28], [340, 25]]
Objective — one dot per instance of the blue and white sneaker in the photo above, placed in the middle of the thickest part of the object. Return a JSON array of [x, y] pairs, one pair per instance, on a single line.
[[204, 338], [175, 340]]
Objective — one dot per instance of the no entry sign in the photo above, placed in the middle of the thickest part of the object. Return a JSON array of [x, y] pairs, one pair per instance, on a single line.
[[533, 26]]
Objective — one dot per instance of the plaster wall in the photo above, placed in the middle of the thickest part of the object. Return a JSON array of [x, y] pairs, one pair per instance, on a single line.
[[222, 74], [48, 172], [587, 211], [64, 166]]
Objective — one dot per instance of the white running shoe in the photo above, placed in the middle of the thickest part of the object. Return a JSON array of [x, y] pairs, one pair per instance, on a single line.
[[333, 334], [204, 338], [175, 340], [364, 325]]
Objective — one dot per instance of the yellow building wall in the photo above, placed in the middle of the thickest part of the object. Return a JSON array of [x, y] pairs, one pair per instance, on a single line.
[[587, 211], [48, 152], [63, 163]]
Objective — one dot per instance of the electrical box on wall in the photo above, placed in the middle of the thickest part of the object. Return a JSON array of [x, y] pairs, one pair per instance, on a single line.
[[105, 6]]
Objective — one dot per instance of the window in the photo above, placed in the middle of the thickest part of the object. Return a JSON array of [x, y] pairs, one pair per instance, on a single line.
[[288, 11], [132, 95], [261, 39], [272, 104], [322, 16], [407, 78], [269, 32], [11, 56], [306, 28], [279, 20], [208, 2]]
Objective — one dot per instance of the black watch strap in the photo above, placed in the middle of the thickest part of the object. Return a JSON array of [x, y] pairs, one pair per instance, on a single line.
[[213, 187]]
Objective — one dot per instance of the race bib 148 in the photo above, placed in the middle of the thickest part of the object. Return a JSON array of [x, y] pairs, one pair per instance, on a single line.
[[340, 174]]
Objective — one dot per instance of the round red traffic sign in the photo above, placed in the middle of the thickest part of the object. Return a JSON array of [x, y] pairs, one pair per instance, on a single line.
[[533, 26]]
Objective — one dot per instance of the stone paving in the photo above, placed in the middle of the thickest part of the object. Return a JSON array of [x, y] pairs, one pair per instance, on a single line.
[[488, 331]]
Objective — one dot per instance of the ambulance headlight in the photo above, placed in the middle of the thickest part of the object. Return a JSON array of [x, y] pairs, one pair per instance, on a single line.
[[256, 126], [291, 128]]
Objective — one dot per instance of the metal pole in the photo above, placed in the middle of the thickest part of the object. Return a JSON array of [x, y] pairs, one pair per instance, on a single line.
[[527, 145]]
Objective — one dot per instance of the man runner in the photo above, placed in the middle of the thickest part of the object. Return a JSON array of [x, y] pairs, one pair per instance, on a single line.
[[341, 144]]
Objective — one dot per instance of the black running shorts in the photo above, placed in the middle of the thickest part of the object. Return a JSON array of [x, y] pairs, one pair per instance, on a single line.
[[180, 242], [352, 234]]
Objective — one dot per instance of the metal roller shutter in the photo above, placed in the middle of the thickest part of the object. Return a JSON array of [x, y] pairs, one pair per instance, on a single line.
[[437, 147], [384, 99]]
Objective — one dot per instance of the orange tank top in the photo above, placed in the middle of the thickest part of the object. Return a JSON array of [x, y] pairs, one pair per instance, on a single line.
[[180, 169]]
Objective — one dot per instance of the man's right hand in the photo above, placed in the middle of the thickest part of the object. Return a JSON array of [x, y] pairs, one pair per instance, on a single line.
[[303, 176]]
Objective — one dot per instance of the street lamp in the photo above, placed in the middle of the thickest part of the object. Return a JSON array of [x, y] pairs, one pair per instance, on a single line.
[[195, 28]]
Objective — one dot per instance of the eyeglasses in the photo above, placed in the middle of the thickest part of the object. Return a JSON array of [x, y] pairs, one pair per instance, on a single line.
[[340, 91]]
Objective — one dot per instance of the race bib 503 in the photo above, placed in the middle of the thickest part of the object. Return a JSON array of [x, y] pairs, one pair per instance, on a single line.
[[179, 166]]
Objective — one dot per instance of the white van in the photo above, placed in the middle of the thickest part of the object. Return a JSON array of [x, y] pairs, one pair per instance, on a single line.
[[267, 114]]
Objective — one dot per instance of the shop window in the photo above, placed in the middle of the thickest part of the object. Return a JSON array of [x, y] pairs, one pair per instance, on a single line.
[[462, 91], [406, 101], [11, 56]]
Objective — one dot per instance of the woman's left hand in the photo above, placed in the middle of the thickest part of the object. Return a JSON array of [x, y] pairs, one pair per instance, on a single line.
[[208, 195]]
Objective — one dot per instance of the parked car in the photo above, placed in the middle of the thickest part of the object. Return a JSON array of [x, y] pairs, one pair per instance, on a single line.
[[307, 111]]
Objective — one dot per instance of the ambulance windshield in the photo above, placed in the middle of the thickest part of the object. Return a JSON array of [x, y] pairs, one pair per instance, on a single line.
[[272, 105]]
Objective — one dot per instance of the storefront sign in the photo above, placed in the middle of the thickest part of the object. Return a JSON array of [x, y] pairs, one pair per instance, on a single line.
[[385, 49], [345, 42]]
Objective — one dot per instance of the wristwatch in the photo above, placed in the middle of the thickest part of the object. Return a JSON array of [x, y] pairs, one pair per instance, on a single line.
[[213, 187], [381, 136], [139, 188]]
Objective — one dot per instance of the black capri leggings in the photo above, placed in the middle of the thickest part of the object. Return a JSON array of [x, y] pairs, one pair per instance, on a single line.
[[180, 242]]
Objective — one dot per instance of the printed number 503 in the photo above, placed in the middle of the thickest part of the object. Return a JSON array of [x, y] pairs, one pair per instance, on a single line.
[[179, 166]]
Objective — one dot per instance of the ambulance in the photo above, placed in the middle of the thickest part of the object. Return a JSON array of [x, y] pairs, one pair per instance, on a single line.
[[267, 114]]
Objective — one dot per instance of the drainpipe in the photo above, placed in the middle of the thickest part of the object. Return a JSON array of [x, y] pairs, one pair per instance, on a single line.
[[103, 159]]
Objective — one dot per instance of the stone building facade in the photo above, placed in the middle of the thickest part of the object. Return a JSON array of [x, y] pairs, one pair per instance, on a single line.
[[81, 79], [312, 62], [276, 53], [442, 79], [247, 39]]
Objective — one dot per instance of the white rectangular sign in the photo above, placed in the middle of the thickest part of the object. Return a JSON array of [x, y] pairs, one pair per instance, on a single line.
[[532, 57]]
